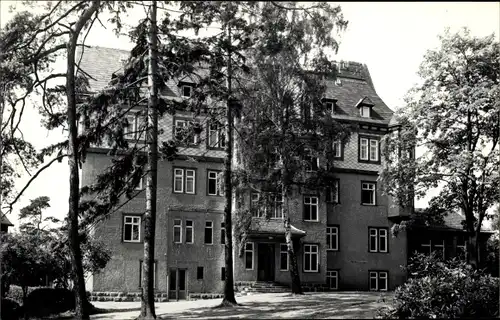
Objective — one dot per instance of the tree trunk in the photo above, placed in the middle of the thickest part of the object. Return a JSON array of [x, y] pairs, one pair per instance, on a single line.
[[229, 298], [294, 269], [147, 298], [81, 311]]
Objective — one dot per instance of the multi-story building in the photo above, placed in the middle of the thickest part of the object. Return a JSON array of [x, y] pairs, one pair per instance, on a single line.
[[342, 240]]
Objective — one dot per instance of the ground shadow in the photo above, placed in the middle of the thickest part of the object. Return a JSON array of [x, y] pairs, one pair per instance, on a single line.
[[308, 306]]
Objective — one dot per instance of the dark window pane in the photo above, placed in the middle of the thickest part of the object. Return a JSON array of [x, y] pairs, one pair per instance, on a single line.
[[314, 261], [199, 273], [208, 235], [128, 232], [173, 279], [177, 234], [182, 280], [307, 262], [314, 214], [248, 259], [223, 274], [189, 235], [373, 283], [382, 284], [222, 234], [212, 186], [381, 244]]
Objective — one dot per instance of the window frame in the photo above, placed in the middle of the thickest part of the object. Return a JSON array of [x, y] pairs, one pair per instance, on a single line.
[[368, 158], [190, 91], [191, 227], [332, 235], [338, 150], [179, 227], [274, 207], [218, 183], [184, 177], [368, 113], [374, 192], [310, 245], [223, 233], [205, 232], [376, 235], [377, 276], [132, 223], [198, 277], [287, 257], [131, 134], [256, 211], [310, 160], [310, 204], [333, 191], [187, 123], [252, 251], [329, 276], [220, 132]]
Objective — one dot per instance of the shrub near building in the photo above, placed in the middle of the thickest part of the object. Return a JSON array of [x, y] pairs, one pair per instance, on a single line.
[[444, 289]]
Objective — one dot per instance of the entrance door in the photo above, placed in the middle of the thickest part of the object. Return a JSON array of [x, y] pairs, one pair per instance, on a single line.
[[177, 288], [265, 262]]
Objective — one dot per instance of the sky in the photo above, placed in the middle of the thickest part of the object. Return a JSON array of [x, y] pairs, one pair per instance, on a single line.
[[390, 37]]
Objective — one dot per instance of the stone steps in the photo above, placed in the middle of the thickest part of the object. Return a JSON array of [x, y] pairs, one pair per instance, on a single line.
[[124, 296]]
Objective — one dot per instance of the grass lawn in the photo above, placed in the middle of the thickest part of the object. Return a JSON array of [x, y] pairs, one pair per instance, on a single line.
[[318, 305]]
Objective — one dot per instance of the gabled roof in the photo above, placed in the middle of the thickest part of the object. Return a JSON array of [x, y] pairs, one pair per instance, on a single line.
[[364, 101], [354, 83]]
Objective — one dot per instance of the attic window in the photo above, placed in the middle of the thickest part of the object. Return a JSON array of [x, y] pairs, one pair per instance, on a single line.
[[364, 111], [187, 91], [330, 105], [365, 106]]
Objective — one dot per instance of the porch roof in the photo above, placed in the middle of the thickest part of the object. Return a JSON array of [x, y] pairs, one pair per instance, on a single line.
[[272, 227]]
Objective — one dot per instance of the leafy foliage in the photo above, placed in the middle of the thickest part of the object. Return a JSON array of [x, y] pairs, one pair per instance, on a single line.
[[453, 116], [438, 289]]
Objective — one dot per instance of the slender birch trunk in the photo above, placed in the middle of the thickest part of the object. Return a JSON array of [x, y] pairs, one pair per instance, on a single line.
[[147, 298]]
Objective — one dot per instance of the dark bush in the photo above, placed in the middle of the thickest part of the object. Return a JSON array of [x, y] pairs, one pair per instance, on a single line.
[[43, 302], [11, 310], [444, 289]]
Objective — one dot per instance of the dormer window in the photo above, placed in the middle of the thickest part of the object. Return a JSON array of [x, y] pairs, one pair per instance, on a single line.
[[330, 105], [187, 91], [365, 106], [364, 112]]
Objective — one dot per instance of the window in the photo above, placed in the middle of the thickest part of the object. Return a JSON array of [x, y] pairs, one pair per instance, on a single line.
[[130, 128], [223, 274], [364, 111], [369, 149], [184, 180], [141, 266], [249, 255], [462, 247], [276, 206], [332, 193], [434, 246], [187, 91], [255, 205], [131, 229], [284, 258], [184, 132], [337, 149], [209, 226], [312, 162], [199, 273], [189, 231], [310, 208], [378, 280], [332, 238], [330, 106], [378, 239], [177, 231], [215, 183], [311, 258], [332, 279], [223, 233], [368, 193], [216, 136]]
